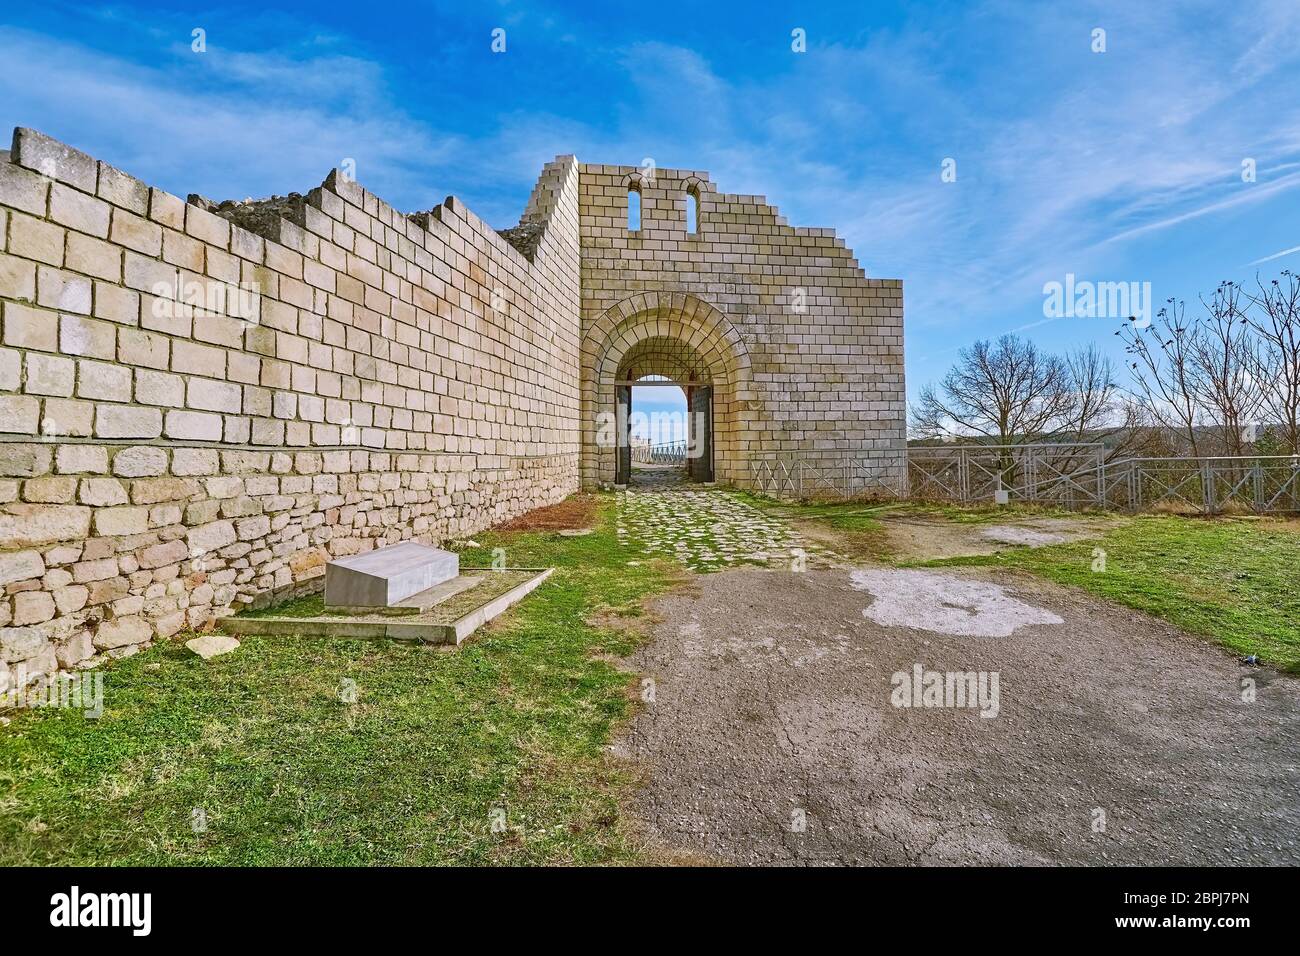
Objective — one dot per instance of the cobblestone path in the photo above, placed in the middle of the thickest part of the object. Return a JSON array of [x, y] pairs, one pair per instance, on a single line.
[[710, 530]]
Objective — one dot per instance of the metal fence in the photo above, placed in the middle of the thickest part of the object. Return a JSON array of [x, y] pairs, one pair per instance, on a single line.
[[1069, 475], [1061, 475], [669, 453], [1079, 476], [1265, 484], [800, 477]]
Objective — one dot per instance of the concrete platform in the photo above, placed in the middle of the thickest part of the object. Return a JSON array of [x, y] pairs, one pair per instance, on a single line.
[[436, 595], [388, 576], [396, 623]]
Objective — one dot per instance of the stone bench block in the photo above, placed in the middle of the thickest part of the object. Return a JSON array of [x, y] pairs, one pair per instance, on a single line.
[[386, 576]]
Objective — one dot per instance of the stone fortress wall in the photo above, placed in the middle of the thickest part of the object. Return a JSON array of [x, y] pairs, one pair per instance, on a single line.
[[161, 460], [203, 403]]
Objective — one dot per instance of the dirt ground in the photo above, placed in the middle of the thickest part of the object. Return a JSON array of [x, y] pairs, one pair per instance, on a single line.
[[774, 735], [577, 511], [916, 537]]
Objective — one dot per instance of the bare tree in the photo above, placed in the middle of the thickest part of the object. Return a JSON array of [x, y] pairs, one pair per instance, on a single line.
[[1092, 383], [1276, 322], [1012, 392], [1224, 356], [1099, 409], [1006, 390], [1164, 371]]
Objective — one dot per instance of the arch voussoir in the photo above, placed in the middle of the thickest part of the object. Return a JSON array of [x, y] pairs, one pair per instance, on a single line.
[[695, 335]]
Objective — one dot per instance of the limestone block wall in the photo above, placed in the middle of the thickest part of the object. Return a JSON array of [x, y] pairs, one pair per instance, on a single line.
[[203, 403], [199, 403], [816, 347]]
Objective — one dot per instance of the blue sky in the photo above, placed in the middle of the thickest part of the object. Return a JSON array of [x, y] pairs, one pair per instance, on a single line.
[[1117, 166]]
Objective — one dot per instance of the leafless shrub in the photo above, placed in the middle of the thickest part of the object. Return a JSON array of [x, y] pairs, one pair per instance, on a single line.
[[1223, 357], [1275, 319], [1162, 367]]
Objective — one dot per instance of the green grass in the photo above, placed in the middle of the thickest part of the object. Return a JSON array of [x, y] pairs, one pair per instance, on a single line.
[[867, 515], [1231, 579], [1236, 581], [996, 514], [858, 522], [264, 744]]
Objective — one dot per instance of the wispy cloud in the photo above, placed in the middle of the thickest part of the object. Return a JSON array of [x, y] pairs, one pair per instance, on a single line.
[[1247, 194], [1277, 255], [224, 122]]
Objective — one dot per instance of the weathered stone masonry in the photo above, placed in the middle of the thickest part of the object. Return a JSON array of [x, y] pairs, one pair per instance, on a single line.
[[166, 458], [401, 377], [804, 351]]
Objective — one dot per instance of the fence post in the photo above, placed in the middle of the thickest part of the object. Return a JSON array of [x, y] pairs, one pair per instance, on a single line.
[[1207, 486], [1259, 486], [1101, 477]]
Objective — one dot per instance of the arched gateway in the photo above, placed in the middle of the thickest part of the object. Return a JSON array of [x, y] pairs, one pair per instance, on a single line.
[[679, 338], [791, 356]]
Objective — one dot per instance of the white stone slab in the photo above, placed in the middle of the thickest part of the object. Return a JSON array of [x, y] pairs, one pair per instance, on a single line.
[[386, 576], [436, 595], [212, 645]]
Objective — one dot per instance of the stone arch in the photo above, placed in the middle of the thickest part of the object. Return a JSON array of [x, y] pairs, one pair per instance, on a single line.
[[705, 336], [667, 357]]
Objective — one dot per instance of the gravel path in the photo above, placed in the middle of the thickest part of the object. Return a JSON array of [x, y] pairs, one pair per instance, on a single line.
[[775, 735]]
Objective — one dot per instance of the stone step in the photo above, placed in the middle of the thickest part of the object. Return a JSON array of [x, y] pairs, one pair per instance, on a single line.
[[436, 595], [387, 576]]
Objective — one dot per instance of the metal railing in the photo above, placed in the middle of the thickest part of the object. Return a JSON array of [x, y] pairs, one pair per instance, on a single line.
[[1061, 475], [1065, 474], [1264, 484], [1079, 476], [668, 453], [798, 477]]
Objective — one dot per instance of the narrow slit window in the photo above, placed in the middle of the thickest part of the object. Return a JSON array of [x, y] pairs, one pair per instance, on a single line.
[[633, 210], [692, 213]]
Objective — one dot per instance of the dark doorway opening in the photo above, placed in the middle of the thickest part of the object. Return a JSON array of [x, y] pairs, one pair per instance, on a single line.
[[665, 431]]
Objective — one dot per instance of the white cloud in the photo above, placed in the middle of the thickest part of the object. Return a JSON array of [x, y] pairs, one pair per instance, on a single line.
[[228, 124], [1277, 255]]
